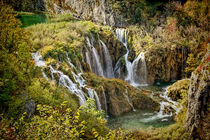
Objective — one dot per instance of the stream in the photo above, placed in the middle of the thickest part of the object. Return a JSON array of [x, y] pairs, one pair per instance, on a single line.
[[143, 119]]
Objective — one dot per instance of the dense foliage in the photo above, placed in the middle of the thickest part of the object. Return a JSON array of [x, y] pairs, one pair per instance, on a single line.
[[15, 59]]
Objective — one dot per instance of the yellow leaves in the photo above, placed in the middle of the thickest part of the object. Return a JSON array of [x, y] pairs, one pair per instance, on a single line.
[[46, 49], [55, 123]]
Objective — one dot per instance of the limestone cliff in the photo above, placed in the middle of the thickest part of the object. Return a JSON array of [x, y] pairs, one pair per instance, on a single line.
[[94, 10], [198, 111], [120, 97]]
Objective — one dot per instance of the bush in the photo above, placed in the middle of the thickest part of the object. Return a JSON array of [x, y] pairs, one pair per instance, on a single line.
[[95, 119], [50, 94], [52, 123]]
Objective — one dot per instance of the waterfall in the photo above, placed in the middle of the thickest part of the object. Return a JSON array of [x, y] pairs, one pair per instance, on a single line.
[[69, 60], [38, 59], [97, 100], [132, 77], [99, 69], [127, 97], [64, 80], [142, 79], [105, 104], [95, 66], [67, 82], [39, 62], [88, 60], [167, 102], [108, 60], [44, 75]]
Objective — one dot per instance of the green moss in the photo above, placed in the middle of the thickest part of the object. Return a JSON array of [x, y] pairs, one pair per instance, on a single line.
[[116, 89], [43, 92], [179, 90]]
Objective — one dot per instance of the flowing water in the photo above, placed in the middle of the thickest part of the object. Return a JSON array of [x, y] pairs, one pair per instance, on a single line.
[[121, 35], [94, 63], [145, 119], [108, 61], [64, 80], [133, 120]]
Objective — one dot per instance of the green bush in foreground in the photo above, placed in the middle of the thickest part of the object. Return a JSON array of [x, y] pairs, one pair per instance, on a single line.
[[59, 123]]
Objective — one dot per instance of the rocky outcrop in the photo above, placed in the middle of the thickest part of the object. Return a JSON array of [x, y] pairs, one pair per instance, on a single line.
[[165, 64], [198, 111], [27, 5], [94, 10], [179, 89], [29, 107], [120, 96]]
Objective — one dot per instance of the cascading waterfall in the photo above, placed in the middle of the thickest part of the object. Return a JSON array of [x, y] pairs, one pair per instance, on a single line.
[[127, 97], [96, 66], [38, 59], [121, 35], [88, 60], [143, 78], [108, 61], [64, 80], [39, 62], [167, 102], [105, 104], [99, 68], [97, 100]]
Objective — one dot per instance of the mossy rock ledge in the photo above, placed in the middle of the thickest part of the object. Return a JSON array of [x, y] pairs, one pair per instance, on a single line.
[[179, 89], [116, 92]]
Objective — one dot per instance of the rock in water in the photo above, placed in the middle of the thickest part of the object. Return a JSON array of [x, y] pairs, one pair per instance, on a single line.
[[198, 111]]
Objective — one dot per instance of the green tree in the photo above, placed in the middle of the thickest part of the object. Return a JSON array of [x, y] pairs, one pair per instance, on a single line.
[[15, 57]]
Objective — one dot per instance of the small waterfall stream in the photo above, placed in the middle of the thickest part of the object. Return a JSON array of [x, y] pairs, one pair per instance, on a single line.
[[88, 60], [99, 69], [95, 64], [167, 102], [130, 103], [121, 35], [105, 104], [64, 80], [108, 61]]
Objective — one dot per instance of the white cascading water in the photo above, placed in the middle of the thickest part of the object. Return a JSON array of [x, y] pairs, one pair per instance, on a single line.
[[127, 97], [99, 69], [108, 61], [39, 62], [167, 102], [121, 35], [143, 78], [105, 104], [96, 66], [38, 59], [65, 81], [88, 60]]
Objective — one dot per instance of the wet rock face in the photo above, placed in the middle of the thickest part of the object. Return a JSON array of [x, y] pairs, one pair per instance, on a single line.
[[198, 111], [120, 96], [95, 10], [29, 108], [165, 67]]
